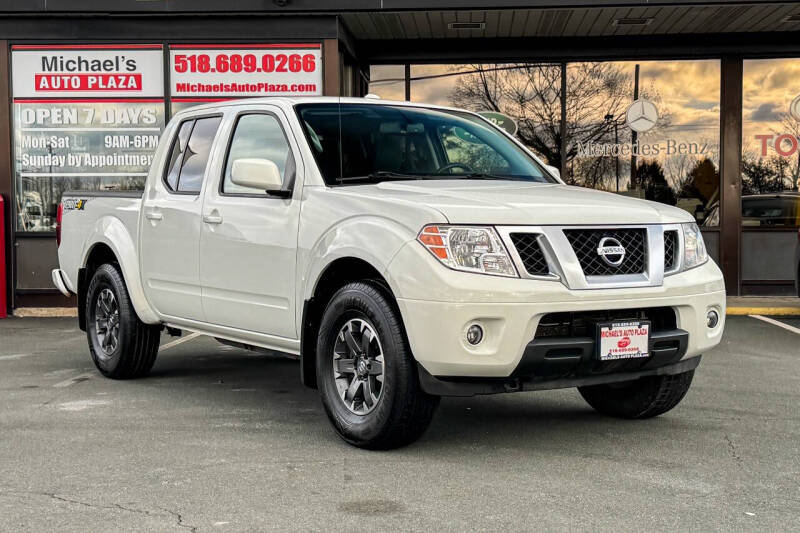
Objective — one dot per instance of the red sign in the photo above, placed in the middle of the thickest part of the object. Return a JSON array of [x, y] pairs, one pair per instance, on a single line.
[[236, 70], [3, 311], [88, 82]]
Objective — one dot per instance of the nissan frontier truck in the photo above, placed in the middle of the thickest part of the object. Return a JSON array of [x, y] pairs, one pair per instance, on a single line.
[[402, 252]]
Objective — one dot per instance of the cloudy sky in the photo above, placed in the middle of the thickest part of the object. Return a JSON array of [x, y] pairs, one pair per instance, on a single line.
[[770, 86], [689, 92]]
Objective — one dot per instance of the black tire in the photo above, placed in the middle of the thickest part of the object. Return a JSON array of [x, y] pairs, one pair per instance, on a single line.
[[642, 398], [403, 410], [134, 353]]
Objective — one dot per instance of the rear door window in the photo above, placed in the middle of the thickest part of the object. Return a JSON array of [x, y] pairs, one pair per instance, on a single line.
[[176, 157]]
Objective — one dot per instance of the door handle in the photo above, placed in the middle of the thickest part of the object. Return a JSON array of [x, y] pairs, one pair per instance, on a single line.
[[154, 216], [212, 219]]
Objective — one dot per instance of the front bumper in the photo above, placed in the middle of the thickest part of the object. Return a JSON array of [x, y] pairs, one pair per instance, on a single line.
[[475, 386], [438, 305]]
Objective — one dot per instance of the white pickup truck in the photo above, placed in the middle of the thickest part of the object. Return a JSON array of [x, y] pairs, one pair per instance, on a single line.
[[402, 252]]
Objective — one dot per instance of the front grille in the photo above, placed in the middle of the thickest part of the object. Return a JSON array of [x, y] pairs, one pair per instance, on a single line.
[[582, 323], [670, 250], [530, 251], [586, 241]]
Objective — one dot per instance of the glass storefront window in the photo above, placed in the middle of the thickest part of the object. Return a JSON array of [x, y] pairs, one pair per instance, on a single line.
[[180, 105], [528, 93], [79, 145], [770, 154], [664, 147], [647, 129], [387, 81], [85, 116], [770, 172]]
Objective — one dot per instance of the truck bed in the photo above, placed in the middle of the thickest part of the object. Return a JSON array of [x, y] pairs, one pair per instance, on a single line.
[[84, 213]]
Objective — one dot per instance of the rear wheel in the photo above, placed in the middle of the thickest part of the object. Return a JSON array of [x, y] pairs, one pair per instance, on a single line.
[[642, 398], [122, 346], [366, 374]]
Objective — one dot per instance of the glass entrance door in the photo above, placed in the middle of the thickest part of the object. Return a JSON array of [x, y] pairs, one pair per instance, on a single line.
[[770, 176]]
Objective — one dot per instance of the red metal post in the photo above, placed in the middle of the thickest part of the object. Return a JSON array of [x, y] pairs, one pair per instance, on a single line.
[[3, 311]]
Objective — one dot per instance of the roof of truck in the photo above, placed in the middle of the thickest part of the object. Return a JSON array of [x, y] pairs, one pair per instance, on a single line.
[[293, 100]]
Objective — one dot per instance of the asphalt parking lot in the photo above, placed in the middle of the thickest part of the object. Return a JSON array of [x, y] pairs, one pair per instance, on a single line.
[[219, 439]]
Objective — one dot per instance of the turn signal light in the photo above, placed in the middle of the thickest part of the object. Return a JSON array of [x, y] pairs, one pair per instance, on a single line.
[[433, 241]]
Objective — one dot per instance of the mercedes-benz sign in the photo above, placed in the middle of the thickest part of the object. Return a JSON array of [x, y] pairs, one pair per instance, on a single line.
[[641, 116]]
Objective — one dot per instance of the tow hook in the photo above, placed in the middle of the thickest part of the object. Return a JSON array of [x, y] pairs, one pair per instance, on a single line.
[[513, 386]]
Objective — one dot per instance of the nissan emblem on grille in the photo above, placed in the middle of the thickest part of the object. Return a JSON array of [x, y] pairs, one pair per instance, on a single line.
[[611, 251]]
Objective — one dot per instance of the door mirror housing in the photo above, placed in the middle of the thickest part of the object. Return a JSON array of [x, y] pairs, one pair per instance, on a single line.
[[261, 174], [553, 170]]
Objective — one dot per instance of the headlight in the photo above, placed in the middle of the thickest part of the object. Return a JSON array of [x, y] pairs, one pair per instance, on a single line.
[[468, 248], [694, 248]]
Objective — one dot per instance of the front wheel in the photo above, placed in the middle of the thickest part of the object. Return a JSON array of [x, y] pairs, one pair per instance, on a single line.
[[642, 398], [122, 346], [366, 374]]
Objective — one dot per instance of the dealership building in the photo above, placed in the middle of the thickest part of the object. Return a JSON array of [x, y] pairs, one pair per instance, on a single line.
[[690, 103]]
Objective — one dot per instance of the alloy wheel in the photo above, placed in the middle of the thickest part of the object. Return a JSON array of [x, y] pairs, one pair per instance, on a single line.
[[358, 366], [106, 312]]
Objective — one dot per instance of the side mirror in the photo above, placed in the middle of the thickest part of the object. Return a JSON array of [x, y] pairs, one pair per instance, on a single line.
[[261, 174], [553, 170]]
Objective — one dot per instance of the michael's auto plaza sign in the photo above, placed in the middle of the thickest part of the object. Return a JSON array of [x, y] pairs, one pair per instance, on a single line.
[[90, 116], [87, 71]]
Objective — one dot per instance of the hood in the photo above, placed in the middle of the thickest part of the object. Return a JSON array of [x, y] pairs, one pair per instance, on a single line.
[[520, 203]]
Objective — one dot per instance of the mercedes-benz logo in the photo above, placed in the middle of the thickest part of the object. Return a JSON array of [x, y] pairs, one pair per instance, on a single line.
[[641, 116], [611, 251], [794, 108]]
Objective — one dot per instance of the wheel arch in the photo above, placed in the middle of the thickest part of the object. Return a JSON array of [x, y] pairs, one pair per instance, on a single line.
[[335, 275], [111, 241]]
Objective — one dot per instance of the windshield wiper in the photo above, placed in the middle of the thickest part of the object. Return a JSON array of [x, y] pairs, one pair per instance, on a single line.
[[477, 176], [385, 175], [380, 175]]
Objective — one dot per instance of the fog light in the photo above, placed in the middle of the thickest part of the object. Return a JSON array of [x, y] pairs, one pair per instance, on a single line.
[[474, 334], [712, 319]]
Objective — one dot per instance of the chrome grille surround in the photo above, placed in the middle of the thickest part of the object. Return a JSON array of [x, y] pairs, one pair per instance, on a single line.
[[565, 266], [585, 243]]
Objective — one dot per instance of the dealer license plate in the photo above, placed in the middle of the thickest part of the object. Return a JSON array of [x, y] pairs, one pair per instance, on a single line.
[[623, 340]]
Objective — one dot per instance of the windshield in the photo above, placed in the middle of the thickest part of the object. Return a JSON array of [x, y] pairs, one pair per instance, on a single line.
[[366, 143]]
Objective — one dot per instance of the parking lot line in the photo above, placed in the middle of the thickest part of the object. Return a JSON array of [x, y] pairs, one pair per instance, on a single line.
[[13, 356], [778, 323], [179, 341]]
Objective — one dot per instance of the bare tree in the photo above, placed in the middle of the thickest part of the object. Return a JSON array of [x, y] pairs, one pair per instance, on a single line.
[[529, 93], [598, 96]]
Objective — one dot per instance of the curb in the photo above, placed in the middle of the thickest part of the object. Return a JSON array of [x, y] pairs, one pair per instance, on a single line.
[[46, 312], [765, 311]]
